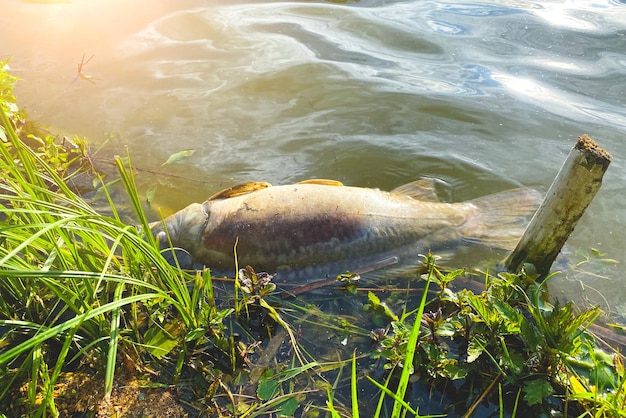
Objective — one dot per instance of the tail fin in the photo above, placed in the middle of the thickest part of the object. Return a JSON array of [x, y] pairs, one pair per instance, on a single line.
[[501, 218]]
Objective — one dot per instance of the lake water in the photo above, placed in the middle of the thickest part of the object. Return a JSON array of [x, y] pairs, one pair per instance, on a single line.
[[484, 96]]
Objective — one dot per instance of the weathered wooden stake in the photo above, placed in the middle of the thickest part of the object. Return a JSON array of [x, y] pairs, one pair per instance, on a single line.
[[569, 195]]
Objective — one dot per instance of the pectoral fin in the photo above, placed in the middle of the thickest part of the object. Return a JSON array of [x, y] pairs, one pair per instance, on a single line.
[[240, 189], [422, 189]]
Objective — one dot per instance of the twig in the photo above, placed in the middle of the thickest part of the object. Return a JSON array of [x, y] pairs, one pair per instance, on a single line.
[[80, 73], [327, 282], [487, 391]]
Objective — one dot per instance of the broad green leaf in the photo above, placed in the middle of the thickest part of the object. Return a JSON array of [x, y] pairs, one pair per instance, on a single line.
[[511, 317], [288, 408], [480, 307], [179, 156], [474, 351], [378, 307], [453, 371], [267, 389], [373, 299], [536, 390], [158, 341], [576, 386], [446, 329], [505, 310]]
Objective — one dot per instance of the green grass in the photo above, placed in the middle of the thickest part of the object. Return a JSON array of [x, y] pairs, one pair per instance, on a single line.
[[78, 287], [74, 283]]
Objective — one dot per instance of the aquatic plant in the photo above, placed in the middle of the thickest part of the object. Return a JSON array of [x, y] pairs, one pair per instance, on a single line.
[[7, 99], [510, 337]]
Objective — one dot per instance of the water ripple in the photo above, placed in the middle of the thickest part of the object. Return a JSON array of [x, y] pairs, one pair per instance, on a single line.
[[376, 91]]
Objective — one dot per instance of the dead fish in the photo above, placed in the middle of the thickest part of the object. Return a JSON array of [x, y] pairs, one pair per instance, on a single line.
[[321, 228]]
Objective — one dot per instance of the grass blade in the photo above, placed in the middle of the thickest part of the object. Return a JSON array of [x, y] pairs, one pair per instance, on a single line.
[[407, 368], [353, 387], [113, 341]]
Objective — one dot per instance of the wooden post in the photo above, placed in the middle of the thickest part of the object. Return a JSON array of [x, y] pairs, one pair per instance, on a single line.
[[565, 202]]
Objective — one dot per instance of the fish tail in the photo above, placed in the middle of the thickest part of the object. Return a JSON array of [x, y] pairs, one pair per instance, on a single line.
[[501, 218]]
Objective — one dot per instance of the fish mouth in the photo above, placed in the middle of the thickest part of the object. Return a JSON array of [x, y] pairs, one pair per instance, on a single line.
[[184, 229]]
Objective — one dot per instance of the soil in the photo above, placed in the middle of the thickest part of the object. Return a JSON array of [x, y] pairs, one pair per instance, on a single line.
[[82, 395]]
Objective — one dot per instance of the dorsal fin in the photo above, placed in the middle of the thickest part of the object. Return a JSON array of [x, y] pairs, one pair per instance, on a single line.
[[240, 189], [324, 182], [422, 189]]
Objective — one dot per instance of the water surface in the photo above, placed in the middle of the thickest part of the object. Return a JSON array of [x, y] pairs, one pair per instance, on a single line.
[[484, 96]]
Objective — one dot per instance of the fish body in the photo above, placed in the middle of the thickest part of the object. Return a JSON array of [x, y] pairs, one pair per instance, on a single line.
[[322, 228]]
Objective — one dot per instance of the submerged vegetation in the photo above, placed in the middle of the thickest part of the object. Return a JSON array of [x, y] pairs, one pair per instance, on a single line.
[[90, 308]]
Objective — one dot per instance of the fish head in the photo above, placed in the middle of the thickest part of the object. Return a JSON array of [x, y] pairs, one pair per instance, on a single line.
[[184, 229]]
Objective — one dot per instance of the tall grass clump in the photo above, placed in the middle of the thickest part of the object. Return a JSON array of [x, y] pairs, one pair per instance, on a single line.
[[79, 287]]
